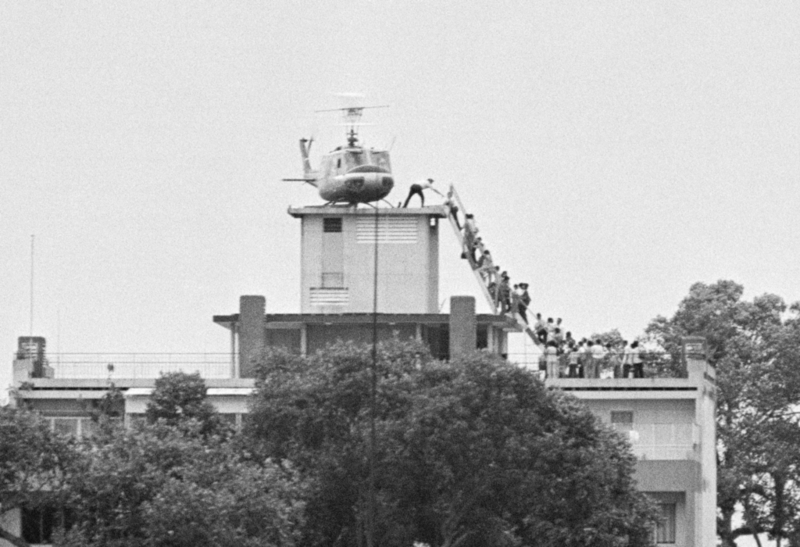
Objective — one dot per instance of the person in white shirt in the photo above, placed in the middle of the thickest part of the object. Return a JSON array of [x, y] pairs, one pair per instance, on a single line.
[[598, 354], [417, 188], [574, 361], [632, 362], [551, 359]]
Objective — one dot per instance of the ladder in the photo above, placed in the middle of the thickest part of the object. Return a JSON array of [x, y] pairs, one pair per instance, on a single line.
[[466, 236]]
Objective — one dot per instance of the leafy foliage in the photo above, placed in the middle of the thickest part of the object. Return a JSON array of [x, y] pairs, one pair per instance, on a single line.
[[755, 347], [179, 397], [35, 463], [471, 452], [157, 486]]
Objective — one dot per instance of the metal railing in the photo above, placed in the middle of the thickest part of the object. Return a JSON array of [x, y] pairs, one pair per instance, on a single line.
[[665, 441], [654, 364], [137, 365]]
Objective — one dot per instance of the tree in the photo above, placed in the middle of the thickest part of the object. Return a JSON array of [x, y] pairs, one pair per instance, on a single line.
[[34, 464], [471, 452], [179, 397], [754, 347], [156, 486]]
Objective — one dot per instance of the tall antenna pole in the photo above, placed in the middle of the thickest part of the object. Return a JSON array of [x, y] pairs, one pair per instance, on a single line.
[[33, 237], [373, 394]]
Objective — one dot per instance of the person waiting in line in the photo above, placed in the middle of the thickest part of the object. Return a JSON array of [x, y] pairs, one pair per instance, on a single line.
[[598, 350], [633, 362], [452, 208], [626, 366], [614, 362], [586, 355], [540, 329], [563, 363], [469, 248], [476, 248], [523, 300], [558, 338], [417, 188], [569, 341], [504, 293], [551, 327], [574, 362], [486, 265], [605, 371], [551, 360], [589, 364], [515, 300], [469, 224]]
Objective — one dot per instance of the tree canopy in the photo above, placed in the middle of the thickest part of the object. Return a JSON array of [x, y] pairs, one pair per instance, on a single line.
[[755, 347], [178, 398], [156, 486], [35, 464], [473, 452]]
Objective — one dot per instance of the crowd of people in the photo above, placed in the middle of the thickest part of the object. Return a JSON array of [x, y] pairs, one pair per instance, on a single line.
[[506, 298], [563, 356], [566, 357]]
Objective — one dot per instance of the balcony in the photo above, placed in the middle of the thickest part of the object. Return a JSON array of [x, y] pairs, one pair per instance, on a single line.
[[669, 441]]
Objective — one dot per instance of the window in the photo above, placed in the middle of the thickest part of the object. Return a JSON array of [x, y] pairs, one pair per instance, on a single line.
[[77, 426], [622, 420], [66, 426], [332, 253], [38, 524], [233, 420], [332, 225], [665, 529], [332, 280]]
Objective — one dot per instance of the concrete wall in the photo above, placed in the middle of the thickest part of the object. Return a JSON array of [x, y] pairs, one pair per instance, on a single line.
[[463, 325], [252, 335], [407, 266], [676, 446], [11, 521], [705, 416]]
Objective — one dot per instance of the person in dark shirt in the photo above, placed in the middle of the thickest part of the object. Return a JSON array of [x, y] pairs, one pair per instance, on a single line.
[[417, 188]]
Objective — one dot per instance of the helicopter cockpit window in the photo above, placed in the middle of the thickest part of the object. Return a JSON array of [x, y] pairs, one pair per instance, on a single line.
[[356, 158], [381, 159]]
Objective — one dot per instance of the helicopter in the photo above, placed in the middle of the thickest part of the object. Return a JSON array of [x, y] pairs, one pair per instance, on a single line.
[[349, 174]]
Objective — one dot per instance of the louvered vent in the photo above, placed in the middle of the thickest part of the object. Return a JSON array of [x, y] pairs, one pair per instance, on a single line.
[[390, 230], [330, 297]]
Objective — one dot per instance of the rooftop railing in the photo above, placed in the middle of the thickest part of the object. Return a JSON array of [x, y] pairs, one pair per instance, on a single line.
[[655, 364], [134, 366]]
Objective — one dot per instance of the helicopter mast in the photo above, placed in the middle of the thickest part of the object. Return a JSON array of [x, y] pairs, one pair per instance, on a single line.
[[352, 116]]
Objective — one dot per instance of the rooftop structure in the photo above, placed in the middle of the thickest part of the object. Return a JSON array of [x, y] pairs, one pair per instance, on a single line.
[[365, 267]]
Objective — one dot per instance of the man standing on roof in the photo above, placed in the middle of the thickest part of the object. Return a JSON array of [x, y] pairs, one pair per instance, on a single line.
[[417, 188]]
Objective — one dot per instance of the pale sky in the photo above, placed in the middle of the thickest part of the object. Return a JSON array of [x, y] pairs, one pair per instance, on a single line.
[[613, 153]]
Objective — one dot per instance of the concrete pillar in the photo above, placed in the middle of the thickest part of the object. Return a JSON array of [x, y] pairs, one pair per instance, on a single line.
[[252, 333], [694, 357], [463, 326], [701, 373]]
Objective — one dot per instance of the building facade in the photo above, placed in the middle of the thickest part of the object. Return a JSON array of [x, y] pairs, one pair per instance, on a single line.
[[366, 271]]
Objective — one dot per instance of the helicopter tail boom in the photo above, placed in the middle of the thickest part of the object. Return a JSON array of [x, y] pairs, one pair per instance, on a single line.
[[305, 148]]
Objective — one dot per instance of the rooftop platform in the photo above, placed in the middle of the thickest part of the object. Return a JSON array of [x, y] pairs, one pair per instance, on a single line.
[[436, 211]]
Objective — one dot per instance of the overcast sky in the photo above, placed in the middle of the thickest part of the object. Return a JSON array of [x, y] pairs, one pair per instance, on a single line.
[[613, 153]]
